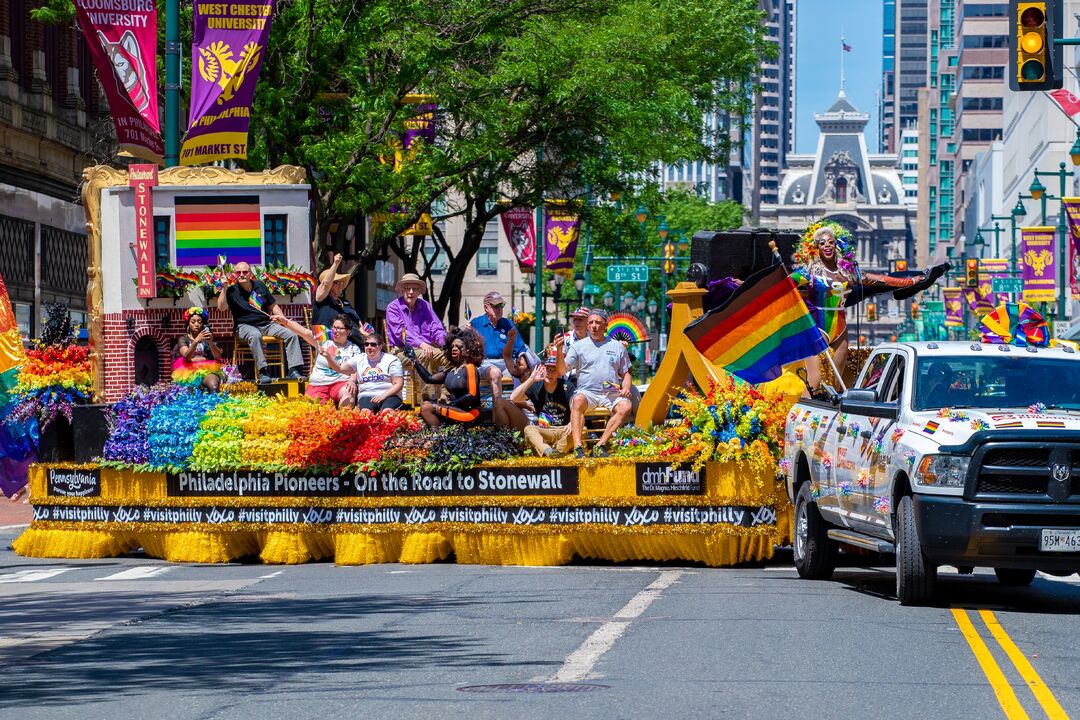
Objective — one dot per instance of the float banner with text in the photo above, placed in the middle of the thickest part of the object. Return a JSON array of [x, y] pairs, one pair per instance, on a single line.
[[143, 178], [520, 231], [1072, 212], [662, 479], [226, 56], [562, 223], [954, 307], [73, 482], [121, 36], [626, 517], [475, 481], [1037, 254]]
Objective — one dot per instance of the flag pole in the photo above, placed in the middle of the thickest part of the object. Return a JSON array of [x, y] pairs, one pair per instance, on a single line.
[[828, 355]]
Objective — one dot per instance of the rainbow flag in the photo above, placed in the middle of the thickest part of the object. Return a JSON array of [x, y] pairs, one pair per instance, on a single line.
[[256, 302], [321, 334], [763, 325], [209, 228], [367, 329], [468, 311]]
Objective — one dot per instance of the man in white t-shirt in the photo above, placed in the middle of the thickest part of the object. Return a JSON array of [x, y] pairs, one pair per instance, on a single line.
[[603, 380]]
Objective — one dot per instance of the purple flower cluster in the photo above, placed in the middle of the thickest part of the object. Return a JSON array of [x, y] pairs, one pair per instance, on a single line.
[[129, 441]]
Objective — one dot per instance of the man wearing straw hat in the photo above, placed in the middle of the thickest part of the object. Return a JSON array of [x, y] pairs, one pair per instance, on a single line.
[[328, 302], [412, 322]]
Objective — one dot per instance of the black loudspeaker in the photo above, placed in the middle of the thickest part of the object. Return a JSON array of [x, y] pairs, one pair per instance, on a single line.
[[90, 430], [56, 442], [738, 253]]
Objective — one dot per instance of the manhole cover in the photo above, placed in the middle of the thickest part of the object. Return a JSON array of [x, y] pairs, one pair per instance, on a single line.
[[555, 687]]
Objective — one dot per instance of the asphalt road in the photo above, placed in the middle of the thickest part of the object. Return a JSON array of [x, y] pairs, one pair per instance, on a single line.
[[136, 638]]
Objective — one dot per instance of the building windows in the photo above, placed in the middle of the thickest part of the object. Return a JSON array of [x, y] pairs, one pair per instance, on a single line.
[[981, 103], [487, 260], [983, 42], [980, 134], [162, 255], [981, 10], [983, 72], [275, 239]]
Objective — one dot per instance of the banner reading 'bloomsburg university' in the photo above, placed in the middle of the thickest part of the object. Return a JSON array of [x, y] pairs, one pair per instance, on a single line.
[[227, 53]]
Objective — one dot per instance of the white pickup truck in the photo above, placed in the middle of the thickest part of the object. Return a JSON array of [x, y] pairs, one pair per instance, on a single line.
[[945, 453]]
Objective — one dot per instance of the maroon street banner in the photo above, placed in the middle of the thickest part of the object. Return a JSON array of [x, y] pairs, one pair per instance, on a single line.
[[226, 55], [520, 232], [954, 308], [122, 38], [1037, 254], [562, 222], [143, 178]]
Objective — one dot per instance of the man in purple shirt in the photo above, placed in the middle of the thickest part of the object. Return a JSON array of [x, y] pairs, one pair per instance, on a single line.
[[412, 322]]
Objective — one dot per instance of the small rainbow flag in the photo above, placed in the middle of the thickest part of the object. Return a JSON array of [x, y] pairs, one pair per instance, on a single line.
[[1009, 424], [468, 312], [763, 325], [256, 302], [210, 227], [931, 427], [321, 334], [1050, 423], [367, 329], [543, 420]]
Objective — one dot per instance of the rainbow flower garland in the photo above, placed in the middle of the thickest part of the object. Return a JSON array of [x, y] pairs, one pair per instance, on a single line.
[[52, 380], [806, 253]]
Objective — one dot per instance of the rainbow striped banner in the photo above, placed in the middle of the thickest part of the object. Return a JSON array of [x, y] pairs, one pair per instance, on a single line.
[[209, 228], [764, 325]]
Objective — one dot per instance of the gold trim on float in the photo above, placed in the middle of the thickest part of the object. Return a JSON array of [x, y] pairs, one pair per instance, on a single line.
[[98, 177]]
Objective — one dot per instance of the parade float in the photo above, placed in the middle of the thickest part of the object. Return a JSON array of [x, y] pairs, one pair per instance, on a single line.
[[190, 476]]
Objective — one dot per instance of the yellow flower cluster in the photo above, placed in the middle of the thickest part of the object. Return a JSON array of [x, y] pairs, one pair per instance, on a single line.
[[266, 430]]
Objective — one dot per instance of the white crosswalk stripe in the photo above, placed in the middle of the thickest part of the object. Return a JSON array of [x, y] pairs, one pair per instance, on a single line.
[[141, 572], [26, 576]]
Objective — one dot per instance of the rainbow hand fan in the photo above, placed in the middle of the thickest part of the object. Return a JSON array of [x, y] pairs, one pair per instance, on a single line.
[[625, 327]]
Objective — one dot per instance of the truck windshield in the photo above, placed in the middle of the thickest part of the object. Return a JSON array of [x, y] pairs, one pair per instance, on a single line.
[[998, 380]]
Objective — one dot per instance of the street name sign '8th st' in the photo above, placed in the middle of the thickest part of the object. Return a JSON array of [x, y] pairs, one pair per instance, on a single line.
[[628, 273]]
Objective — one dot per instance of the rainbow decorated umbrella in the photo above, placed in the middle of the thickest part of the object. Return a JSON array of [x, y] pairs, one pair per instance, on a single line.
[[1014, 324]]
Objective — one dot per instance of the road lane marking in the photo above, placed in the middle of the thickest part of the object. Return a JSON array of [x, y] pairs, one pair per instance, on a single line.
[[1004, 692], [579, 664], [26, 576], [140, 572], [1042, 693], [271, 575]]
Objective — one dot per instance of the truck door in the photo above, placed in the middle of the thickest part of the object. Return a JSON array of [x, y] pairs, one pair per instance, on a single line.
[[871, 478], [854, 443]]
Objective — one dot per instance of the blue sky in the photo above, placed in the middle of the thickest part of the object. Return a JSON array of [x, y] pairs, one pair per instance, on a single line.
[[817, 63]]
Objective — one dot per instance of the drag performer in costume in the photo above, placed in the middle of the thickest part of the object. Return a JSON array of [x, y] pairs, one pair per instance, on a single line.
[[198, 358], [829, 278]]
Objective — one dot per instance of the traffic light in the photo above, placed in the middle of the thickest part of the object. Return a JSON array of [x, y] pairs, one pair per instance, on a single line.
[[871, 312], [1035, 62], [901, 265], [669, 258], [914, 311], [972, 276]]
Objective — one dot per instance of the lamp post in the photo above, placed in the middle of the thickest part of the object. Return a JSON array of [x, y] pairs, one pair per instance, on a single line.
[[1038, 191], [617, 197], [579, 285], [609, 300], [1014, 215], [539, 259], [997, 237]]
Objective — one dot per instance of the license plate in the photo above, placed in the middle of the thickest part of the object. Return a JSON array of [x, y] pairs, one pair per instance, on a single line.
[[1060, 541]]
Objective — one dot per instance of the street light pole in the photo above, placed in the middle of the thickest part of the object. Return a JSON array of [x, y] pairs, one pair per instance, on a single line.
[[1038, 191], [540, 257]]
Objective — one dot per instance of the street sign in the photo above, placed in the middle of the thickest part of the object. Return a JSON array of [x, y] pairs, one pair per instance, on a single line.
[[934, 306], [1007, 285], [934, 318], [591, 289], [628, 273]]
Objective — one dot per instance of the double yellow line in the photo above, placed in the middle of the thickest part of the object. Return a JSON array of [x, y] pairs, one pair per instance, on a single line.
[[1002, 689]]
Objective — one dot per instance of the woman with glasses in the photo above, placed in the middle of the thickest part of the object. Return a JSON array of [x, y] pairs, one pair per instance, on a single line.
[[464, 350], [379, 377], [198, 358], [330, 380]]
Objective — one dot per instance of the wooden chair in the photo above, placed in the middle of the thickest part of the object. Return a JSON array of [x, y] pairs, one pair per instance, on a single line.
[[595, 422], [273, 349]]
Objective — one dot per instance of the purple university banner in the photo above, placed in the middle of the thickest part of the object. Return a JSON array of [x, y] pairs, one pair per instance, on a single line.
[[227, 53], [521, 234], [954, 308], [561, 225], [989, 269], [1072, 212], [1037, 254]]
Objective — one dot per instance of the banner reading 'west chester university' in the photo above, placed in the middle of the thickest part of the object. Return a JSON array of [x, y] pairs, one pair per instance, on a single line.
[[122, 38], [954, 308], [561, 225], [227, 53], [1072, 212], [1037, 255]]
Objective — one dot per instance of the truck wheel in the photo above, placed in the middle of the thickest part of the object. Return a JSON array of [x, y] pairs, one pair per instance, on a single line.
[[915, 575], [1013, 577], [815, 552]]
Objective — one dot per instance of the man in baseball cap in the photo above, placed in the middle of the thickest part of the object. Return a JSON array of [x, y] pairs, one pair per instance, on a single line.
[[496, 331], [550, 397], [603, 381]]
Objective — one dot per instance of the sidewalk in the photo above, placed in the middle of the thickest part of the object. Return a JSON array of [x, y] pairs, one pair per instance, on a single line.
[[15, 513]]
